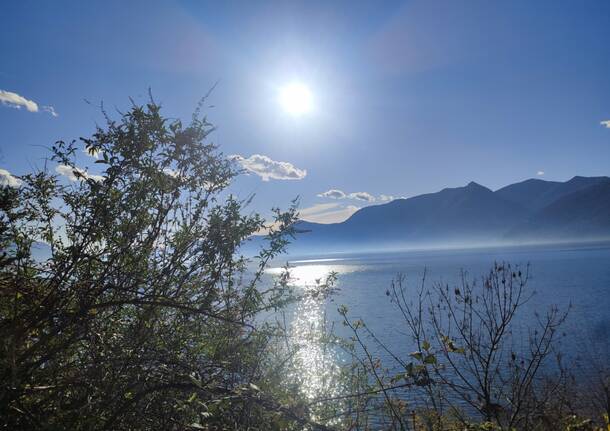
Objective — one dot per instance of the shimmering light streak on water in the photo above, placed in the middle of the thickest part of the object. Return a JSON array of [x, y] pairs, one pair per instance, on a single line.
[[316, 366]]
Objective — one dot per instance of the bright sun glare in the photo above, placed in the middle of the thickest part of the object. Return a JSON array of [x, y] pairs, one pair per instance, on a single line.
[[296, 98]]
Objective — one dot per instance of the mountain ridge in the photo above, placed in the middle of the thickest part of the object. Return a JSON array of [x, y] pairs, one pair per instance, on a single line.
[[531, 210]]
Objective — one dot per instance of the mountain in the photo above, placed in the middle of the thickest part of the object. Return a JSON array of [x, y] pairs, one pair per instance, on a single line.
[[529, 211], [467, 211], [584, 213], [536, 194], [529, 192]]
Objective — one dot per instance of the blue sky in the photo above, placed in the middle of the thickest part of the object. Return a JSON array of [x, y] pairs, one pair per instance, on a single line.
[[408, 97]]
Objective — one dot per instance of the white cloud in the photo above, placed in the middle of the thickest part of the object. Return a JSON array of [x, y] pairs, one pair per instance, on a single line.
[[6, 179], [540, 173], [14, 100], [605, 123], [333, 194], [327, 213], [267, 168], [71, 173], [362, 196], [50, 110], [388, 198], [339, 194]]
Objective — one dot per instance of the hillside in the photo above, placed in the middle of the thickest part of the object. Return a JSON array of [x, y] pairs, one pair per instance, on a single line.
[[529, 211]]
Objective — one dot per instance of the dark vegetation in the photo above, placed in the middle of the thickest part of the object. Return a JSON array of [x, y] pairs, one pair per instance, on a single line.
[[145, 315], [474, 367]]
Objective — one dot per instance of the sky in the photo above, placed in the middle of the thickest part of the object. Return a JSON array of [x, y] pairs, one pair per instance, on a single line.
[[398, 98]]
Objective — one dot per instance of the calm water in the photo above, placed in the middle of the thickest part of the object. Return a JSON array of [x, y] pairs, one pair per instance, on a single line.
[[567, 276]]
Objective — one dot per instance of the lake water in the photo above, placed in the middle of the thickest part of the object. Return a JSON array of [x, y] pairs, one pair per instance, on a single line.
[[574, 277]]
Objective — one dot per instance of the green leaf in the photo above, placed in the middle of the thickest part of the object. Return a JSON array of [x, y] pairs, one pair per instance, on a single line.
[[417, 355], [430, 359]]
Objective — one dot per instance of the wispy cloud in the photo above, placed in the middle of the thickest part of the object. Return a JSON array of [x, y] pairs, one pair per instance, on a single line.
[[605, 123], [6, 179], [327, 213], [333, 194], [16, 101], [72, 173], [360, 196], [50, 110], [318, 208], [388, 198], [540, 173], [267, 169], [340, 194]]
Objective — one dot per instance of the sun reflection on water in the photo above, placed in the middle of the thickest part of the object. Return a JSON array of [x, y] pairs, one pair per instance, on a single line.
[[316, 366]]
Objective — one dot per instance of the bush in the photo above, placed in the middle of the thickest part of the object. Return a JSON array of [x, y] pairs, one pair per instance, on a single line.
[[142, 314]]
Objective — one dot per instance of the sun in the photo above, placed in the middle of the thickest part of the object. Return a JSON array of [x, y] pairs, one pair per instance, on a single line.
[[296, 99]]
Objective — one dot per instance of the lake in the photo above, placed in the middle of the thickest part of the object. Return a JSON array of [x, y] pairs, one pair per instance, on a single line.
[[568, 276]]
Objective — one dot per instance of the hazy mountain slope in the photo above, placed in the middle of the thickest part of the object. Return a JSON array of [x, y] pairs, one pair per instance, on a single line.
[[536, 194], [583, 214], [473, 211], [528, 193]]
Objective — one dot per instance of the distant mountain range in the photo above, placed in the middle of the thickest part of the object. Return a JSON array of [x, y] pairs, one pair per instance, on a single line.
[[527, 212]]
